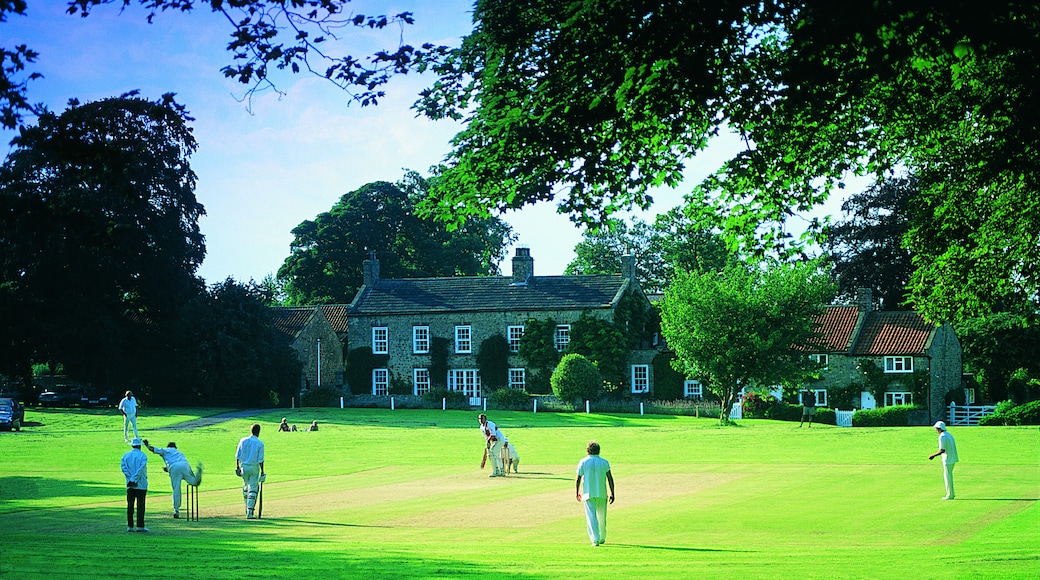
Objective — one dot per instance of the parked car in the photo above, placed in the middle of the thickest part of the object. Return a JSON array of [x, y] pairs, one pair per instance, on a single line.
[[12, 414], [94, 399], [60, 398]]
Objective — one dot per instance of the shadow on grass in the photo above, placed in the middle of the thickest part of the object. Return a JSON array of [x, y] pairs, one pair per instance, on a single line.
[[325, 523], [16, 487], [674, 548], [960, 499]]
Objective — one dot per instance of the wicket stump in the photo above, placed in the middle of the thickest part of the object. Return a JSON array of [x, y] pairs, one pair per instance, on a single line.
[[193, 503]]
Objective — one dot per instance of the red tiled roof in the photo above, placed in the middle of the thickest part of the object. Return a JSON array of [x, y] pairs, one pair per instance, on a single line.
[[893, 333], [836, 326], [337, 317], [290, 320]]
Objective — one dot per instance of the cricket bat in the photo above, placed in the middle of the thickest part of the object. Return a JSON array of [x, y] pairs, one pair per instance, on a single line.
[[483, 462]]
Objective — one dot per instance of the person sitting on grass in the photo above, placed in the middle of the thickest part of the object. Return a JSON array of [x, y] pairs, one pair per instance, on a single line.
[[283, 426], [313, 427]]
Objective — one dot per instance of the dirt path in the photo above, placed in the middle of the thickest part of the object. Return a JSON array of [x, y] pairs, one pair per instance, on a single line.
[[211, 420]]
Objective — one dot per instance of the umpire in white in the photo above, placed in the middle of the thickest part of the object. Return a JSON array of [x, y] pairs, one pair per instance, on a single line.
[[249, 464]]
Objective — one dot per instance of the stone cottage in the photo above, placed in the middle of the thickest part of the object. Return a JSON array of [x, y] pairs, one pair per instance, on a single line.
[[401, 318], [900, 344], [315, 341]]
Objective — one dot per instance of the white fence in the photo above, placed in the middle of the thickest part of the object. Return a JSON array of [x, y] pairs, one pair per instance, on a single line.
[[968, 414], [843, 418]]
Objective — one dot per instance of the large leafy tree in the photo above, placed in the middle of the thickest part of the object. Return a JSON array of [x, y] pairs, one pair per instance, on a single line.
[[997, 345], [673, 242], [325, 264], [744, 326], [265, 36], [99, 235], [866, 249], [594, 103]]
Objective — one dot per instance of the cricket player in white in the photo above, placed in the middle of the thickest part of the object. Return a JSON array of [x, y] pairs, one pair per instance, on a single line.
[[177, 466], [494, 439], [128, 406], [595, 472], [249, 464], [948, 450]]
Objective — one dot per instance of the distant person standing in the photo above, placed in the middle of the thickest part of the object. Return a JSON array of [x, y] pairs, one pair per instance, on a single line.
[[493, 441], [135, 468], [249, 465], [128, 407], [948, 450], [595, 472], [179, 470], [808, 407]]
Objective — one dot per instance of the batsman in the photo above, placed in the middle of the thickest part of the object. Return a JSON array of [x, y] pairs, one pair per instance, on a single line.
[[494, 439], [249, 465]]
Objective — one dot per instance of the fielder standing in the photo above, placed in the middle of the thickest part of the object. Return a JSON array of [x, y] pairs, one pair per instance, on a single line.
[[948, 450], [596, 473], [177, 466], [249, 464], [135, 468], [128, 406], [493, 439]]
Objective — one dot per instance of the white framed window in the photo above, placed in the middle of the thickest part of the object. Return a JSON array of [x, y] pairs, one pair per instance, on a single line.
[[380, 340], [969, 396], [513, 335], [640, 378], [420, 339], [899, 398], [899, 364], [466, 381], [518, 379], [380, 381], [420, 381], [821, 397], [822, 361], [693, 389], [463, 339], [562, 338]]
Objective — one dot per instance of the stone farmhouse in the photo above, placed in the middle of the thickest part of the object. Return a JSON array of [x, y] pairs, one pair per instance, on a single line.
[[401, 318], [900, 344], [316, 334]]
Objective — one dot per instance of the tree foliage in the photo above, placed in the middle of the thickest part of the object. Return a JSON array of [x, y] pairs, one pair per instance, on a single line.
[[592, 104], [996, 346], [493, 363], [266, 36], [604, 345], [671, 243], [99, 234], [747, 325], [538, 349], [866, 250], [325, 263]]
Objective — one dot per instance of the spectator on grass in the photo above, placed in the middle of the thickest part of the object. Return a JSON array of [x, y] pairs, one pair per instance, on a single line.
[[808, 407], [135, 468], [313, 427], [179, 469], [595, 471], [948, 450], [283, 426], [128, 407]]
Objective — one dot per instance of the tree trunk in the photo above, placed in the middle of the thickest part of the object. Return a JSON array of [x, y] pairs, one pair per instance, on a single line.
[[727, 406]]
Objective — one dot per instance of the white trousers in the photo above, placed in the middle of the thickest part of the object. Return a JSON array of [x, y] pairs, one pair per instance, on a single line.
[[596, 519], [130, 420], [250, 485], [948, 478], [180, 471], [495, 456]]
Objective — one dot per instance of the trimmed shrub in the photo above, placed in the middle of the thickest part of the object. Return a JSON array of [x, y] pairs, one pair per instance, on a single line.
[[1027, 414], [435, 397], [754, 405], [510, 400], [576, 379], [322, 397], [893, 416], [781, 411]]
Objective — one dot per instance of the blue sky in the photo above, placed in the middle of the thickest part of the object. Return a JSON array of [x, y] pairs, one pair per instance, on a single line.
[[264, 169]]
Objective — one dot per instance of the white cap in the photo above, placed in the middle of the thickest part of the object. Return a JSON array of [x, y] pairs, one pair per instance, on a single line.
[[135, 443], [940, 425]]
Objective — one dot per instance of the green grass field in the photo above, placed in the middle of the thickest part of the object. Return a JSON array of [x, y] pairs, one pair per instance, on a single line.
[[399, 494]]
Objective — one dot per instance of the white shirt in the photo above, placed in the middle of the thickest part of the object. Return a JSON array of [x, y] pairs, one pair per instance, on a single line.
[[135, 467], [946, 443], [593, 471], [128, 405], [491, 430], [171, 455], [250, 451]]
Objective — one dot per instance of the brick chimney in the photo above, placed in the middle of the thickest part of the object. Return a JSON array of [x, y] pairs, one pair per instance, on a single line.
[[628, 266], [523, 266], [370, 268], [864, 299]]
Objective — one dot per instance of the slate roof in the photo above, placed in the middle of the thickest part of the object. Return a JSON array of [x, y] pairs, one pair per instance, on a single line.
[[290, 320], [893, 333], [488, 294]]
